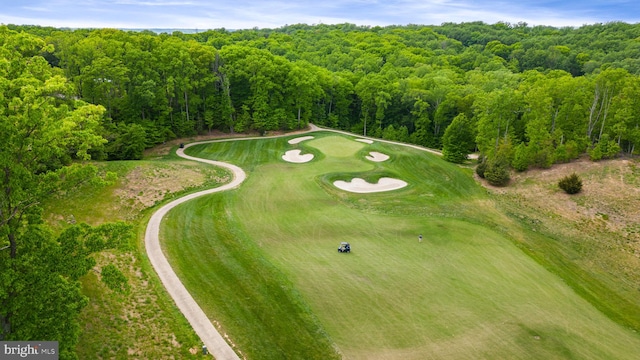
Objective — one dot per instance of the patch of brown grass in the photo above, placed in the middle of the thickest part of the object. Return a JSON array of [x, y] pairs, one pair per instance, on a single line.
[[600, 226], [608, 203], [149, 183]]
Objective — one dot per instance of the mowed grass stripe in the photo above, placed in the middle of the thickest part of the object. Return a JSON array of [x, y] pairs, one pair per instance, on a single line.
[[465, 292], [252, 300]]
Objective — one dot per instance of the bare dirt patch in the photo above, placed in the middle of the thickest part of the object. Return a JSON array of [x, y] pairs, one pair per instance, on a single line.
[[147, 184]]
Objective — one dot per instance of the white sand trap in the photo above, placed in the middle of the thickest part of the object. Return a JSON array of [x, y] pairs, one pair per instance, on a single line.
[[377, 157], [295, 157], [358, 185], [365, 141], [300, 139]]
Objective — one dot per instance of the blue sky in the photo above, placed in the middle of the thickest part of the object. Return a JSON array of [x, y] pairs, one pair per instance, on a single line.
[[243, 14]]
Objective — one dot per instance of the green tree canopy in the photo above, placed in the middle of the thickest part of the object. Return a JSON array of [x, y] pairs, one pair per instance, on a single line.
[[45, 131]]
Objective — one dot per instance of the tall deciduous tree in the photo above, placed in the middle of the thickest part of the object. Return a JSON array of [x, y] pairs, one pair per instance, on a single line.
[[497, 113], [626, 127], [607, 86], [303, 85], [458, 139], [374, 92], [43, 131]]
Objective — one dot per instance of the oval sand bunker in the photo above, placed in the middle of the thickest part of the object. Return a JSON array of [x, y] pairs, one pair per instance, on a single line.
[[377, 157], [357, 185], [295, 157]]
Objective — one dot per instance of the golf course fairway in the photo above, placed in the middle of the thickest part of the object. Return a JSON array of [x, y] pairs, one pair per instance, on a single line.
[[262, 262]]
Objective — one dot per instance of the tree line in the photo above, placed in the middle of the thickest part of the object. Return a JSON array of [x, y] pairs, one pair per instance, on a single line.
[[525, 96]]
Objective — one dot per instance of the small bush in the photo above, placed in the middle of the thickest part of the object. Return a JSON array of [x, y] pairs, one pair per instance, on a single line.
[[595, 153], [604, 149], [571, 184], [497, 174], [114, 279], [481, 168], [521, 158], [455, 156], [565, 152]]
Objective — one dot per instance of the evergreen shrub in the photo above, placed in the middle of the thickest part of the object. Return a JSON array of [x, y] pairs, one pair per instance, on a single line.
[[571, 184]]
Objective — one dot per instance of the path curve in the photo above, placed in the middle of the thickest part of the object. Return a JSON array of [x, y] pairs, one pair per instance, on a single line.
[[201, 324]]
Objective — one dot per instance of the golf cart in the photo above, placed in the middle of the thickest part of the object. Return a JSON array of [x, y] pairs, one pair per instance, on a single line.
[[344, 247]]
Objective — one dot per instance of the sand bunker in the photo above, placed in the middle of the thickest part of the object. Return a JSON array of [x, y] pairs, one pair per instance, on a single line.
[[377, 157], [300, 139], [358, 185], [365, 141], [295, 157]]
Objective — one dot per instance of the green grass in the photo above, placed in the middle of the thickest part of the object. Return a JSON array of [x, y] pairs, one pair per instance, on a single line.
[[72, 206], [262, 259], [95, 204], [144, 323]]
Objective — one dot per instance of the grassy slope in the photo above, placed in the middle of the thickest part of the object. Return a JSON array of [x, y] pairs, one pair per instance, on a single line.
[[589, 239], [143, 323], [466, 291]]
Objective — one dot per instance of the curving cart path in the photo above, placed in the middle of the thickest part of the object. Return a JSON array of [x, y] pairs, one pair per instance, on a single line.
[[201, 324], [210, 337]]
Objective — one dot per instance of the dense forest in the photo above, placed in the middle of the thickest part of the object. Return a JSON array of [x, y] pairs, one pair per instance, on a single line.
[[521, 96]]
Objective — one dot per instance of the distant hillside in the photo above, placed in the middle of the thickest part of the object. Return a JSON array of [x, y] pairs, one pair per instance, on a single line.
[[168, 31]]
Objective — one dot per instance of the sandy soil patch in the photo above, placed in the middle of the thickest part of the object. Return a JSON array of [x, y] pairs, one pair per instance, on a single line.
[[299, 140], [601, 223], [377, 157], [145, 185], [357, 185], [365, 141], [294, 156]]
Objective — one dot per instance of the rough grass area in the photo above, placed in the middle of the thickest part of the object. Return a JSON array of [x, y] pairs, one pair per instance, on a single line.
[[142, 322], [472, 289], [140, 185], [592, 238]]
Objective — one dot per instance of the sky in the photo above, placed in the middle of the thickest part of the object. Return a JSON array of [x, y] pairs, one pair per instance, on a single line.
[[246, 14]]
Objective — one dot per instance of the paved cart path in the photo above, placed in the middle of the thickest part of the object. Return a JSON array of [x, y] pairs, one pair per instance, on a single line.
[[201, 324]]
